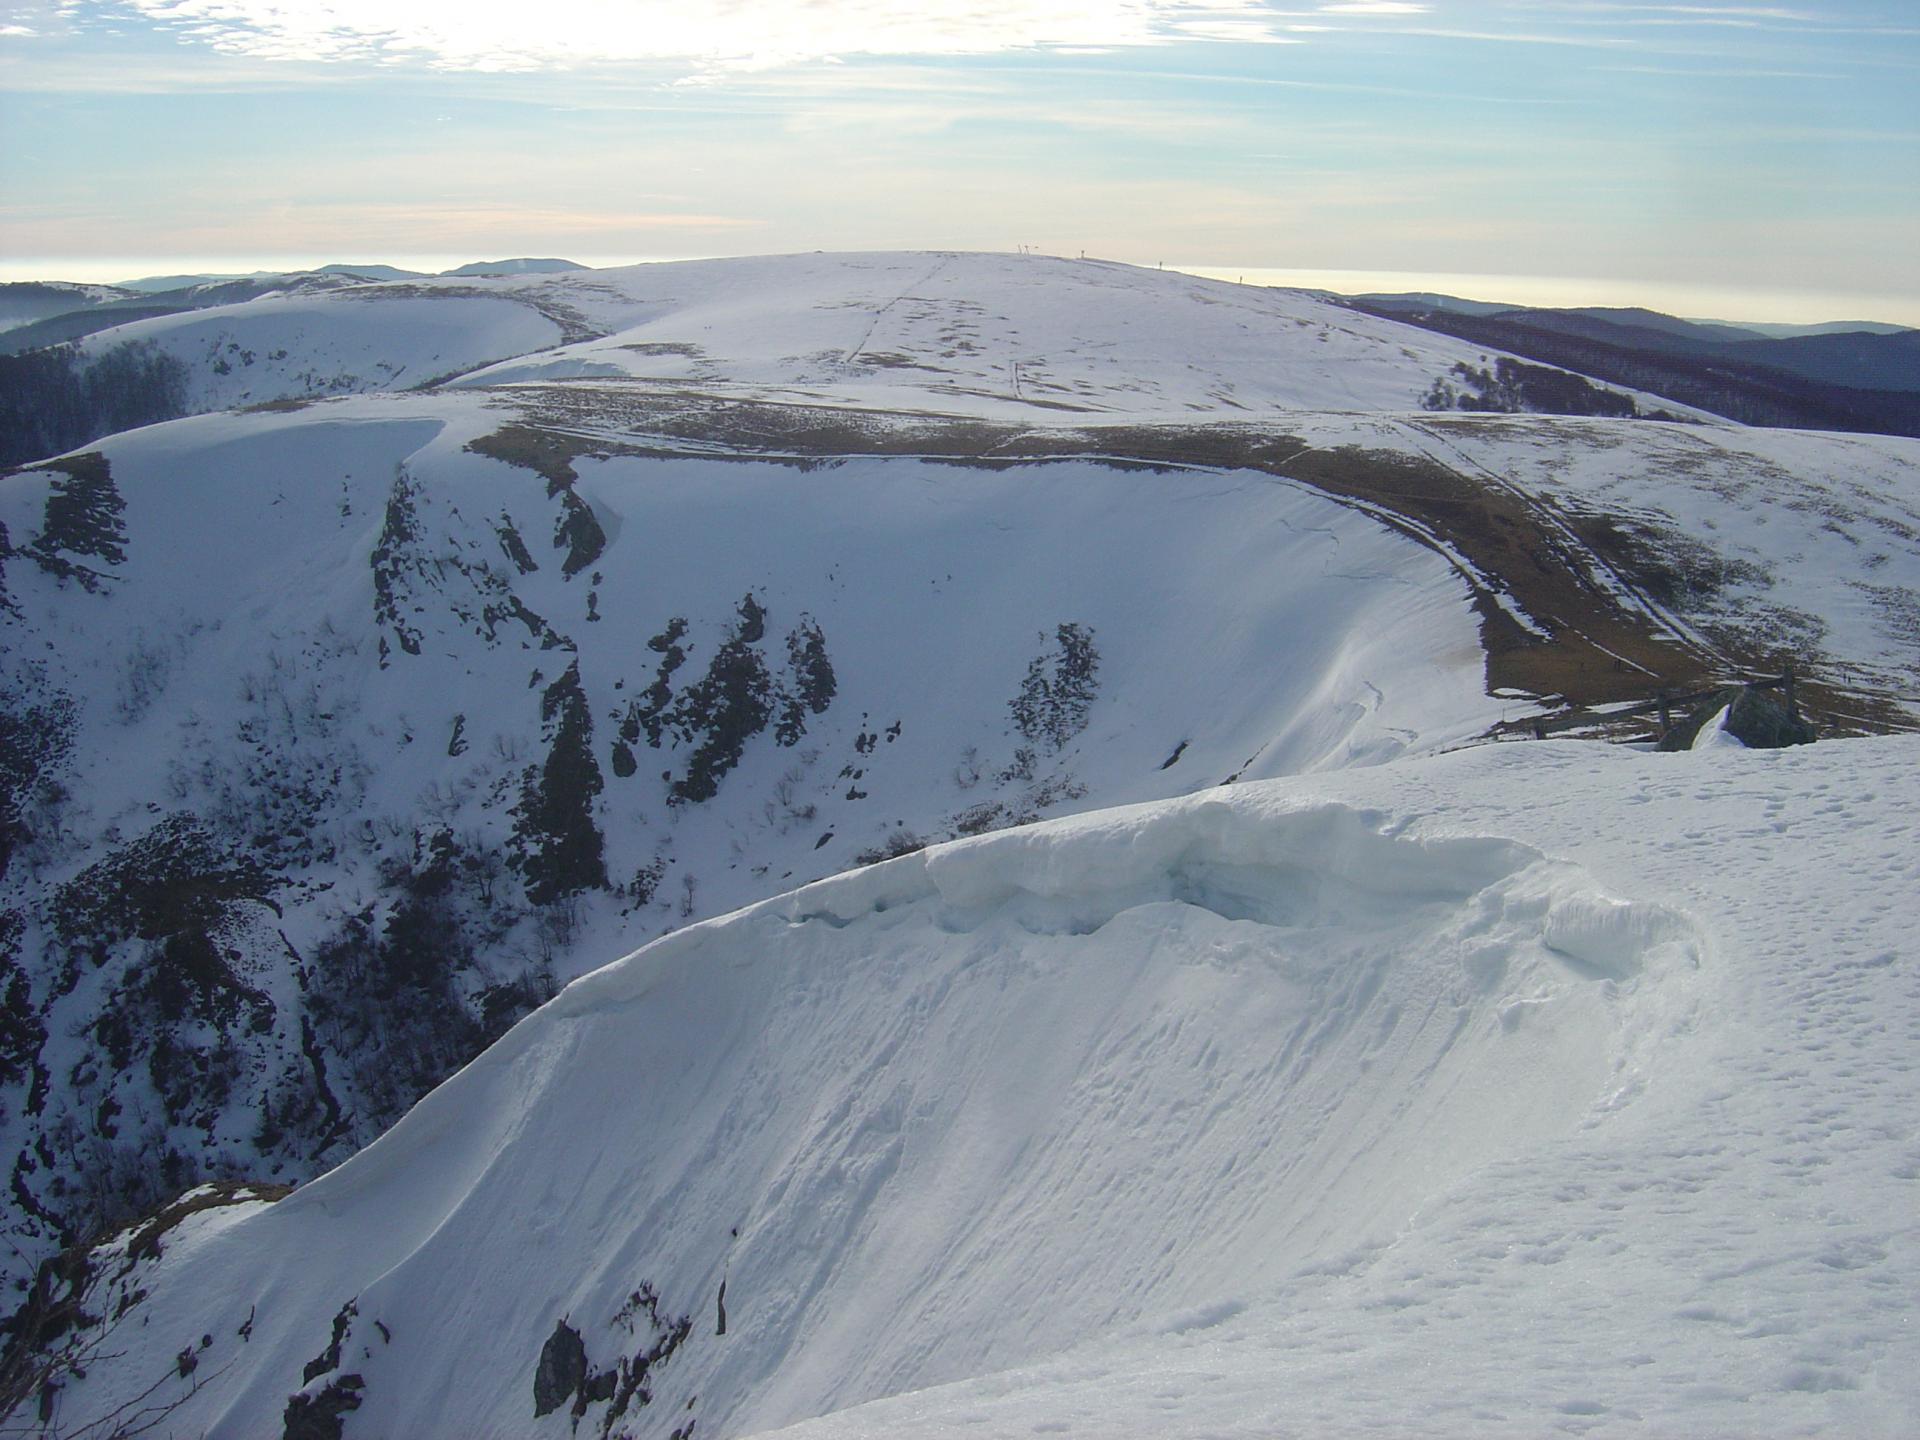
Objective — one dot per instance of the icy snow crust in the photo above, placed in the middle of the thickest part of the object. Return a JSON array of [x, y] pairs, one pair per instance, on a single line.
[[1140, 1073], [1724, 1244]]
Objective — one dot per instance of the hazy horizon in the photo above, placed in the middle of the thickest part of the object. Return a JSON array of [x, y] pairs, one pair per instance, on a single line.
[[1694, 303], [1732, 157]]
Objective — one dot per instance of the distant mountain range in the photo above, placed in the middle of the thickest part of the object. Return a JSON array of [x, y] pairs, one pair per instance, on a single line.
[[1837, 376], [37, 313]]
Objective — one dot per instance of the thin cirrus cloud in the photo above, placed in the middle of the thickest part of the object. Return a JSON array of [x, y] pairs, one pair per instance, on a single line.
[[726, 34]]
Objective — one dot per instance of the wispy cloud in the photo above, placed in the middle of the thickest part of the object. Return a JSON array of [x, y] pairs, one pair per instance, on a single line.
[[722, 34]]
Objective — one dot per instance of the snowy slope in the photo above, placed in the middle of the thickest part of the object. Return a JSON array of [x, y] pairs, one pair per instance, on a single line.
[[1804, 541], [333, 342], [1024, 337], [437, 730], [23, 302], [1007, 336], [1784, 543], [1533, 1089], [335, 737], [429, 736]]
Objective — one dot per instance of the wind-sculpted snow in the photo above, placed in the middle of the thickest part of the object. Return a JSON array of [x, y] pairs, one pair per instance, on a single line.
[[1723, 1244], [467, 727], [954, 1113]]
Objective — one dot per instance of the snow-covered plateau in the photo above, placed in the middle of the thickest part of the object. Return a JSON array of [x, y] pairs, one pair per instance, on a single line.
[[1373, 1068]]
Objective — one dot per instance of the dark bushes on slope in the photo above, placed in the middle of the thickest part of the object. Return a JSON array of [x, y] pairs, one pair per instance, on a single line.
[[54, 400], [560, 849]]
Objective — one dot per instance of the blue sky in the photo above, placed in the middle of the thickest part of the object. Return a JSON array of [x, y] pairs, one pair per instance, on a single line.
[[1710, 158]]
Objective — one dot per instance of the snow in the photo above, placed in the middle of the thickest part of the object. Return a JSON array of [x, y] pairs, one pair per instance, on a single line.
[[1535, 1088], [1244, 625], [1009, 337], [1538, 1088], [339, 342], [1811, 540], [1714, 734], [1249, 618]]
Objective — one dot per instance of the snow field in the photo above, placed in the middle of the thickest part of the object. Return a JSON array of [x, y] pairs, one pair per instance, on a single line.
[[1809, 542], [965, 1110], [229, 673], [298, 347], [1725, 1244], [1008, 337]]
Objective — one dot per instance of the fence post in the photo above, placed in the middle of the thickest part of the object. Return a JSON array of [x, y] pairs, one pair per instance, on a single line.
[[1791, 713], [1666, 714]]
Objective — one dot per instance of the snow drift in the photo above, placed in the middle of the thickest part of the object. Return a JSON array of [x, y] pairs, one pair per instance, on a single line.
[[944, 1116]]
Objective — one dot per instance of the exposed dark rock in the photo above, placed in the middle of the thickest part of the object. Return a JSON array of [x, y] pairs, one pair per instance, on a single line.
[[328, 1360], [578, 533], [1758, 719], [634, 1372], [813, 682], [724, 709], [514, 548], [561, 1371], [400, 532], [649, 713], [82, 520], [318, 1416]]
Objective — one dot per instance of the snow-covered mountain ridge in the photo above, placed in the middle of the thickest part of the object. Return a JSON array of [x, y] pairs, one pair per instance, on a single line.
[[1269, 1111], [425, 734], [1020, 337], [336, 735]]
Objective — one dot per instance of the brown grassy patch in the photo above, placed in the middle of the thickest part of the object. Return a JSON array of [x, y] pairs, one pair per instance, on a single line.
[[545, 452], [145, 1244], [1560, 570]]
